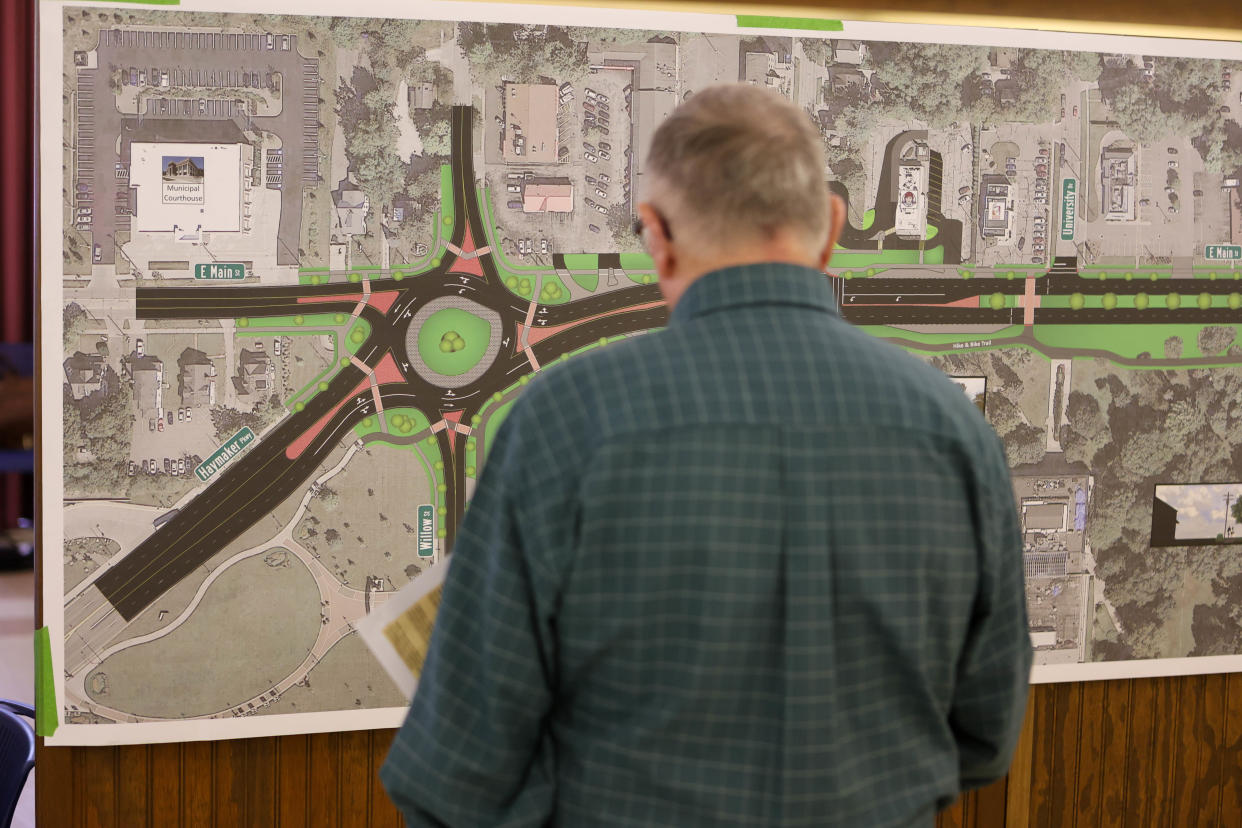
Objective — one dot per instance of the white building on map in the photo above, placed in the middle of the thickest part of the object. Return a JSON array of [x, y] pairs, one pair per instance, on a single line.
[[187, 189], [911, 177], [1118, 181]]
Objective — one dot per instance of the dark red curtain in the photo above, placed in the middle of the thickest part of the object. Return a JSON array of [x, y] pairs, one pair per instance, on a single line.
[[18, 206]]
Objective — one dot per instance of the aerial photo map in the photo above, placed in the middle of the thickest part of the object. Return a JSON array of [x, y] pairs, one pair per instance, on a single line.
[[308, 263]]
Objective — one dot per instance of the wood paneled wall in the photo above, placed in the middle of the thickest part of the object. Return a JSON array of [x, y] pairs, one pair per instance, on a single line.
[[1136, 753], [1130, 754]]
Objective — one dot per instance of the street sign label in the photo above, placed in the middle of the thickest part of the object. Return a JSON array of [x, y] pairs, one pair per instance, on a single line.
[[1222, 252], [426, 531], [220, 270], [1069, 207], [221, 456]]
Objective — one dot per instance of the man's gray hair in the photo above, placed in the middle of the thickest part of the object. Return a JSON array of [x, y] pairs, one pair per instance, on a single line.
[[743, 162]]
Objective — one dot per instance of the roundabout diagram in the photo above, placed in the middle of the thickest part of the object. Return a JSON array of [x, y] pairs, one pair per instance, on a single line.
[[452, 341]]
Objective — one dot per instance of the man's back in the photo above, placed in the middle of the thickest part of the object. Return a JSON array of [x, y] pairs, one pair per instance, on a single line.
[[765, 554]]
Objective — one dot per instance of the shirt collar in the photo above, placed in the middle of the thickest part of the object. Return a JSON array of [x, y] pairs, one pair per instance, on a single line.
[[770, 283]]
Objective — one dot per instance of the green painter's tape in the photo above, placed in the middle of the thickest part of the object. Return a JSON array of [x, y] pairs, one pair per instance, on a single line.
[[762, 21], [47, 717]]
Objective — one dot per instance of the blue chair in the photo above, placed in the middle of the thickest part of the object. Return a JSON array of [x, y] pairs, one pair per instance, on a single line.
[[17, 751]]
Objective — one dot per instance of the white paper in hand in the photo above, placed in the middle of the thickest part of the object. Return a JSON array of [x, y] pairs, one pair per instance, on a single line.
[[399, 630]]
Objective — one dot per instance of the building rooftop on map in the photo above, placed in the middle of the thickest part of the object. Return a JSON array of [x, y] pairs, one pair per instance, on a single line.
[[422, 95], [530, 122], [652, 71], [1118, 180], [548, 195], [759, 69], [768, 61], [197, 380], [1045, 564], [849, 51], [186, 188], [994, 205], [148, 374], [659, 68], [846, 81], [349, 213], [84, 373], [910, 178], [1000, 58], [254, 372]]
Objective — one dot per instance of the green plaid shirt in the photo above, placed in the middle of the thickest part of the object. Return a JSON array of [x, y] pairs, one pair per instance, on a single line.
[[757, 568]]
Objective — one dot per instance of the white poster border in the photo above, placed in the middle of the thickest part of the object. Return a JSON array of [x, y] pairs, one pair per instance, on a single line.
[[51, 291]]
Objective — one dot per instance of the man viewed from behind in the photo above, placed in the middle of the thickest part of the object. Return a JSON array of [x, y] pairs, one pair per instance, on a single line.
[[757, 568]]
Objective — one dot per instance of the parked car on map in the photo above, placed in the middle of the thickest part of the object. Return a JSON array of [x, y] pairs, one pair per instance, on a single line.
[[603, 177], [159, 424], [181, 415], [590, 179], [593, 228], [604, 154], [139, 349], [601, 208], [601, 193], [604, 145], [588, 146], [591, 157], [1197, 193], [543, 245], [514, 205]]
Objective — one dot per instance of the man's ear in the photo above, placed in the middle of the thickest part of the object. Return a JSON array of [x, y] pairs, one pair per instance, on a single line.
[[834, 230], [655, 238]]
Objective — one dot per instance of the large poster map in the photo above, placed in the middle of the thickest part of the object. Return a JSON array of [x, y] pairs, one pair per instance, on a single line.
[[300, 266]]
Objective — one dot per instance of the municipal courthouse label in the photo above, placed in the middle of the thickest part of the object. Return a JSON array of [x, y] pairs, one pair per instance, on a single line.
[[181, 179]]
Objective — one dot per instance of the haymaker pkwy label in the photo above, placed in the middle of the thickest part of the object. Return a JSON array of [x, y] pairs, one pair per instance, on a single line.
[[221, 456]]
